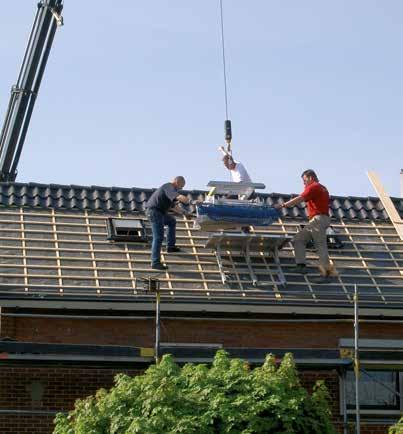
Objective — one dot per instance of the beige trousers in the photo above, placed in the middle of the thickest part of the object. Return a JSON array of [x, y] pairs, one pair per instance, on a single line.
[[315, 229]]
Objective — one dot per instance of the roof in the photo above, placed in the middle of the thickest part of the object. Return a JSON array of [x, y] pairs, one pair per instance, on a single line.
[[54, 252], [96, 198]]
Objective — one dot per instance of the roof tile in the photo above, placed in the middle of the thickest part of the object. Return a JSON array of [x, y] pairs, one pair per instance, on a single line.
[[133, 199]]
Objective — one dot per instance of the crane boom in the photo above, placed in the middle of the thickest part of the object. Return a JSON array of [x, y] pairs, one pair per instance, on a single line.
[[24, 93]]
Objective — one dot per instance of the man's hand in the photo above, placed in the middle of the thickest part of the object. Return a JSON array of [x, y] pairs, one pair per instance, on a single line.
[[279, 206], [223, 150], [182, 199]]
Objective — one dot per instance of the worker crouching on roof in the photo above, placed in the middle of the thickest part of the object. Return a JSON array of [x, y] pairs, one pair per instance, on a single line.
[[317, 200], [158, 206]]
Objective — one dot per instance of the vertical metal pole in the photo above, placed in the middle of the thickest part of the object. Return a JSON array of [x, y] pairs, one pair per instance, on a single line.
[[157, 325], [356, 362]]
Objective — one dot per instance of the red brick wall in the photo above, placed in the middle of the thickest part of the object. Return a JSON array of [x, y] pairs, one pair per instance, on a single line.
[[229, 333], [63, 385], [26, 424], [60, 386]]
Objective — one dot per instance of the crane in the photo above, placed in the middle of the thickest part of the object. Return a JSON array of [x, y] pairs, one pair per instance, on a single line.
[[24, 93]]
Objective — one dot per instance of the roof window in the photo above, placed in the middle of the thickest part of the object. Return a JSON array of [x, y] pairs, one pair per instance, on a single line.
[[126, 230]]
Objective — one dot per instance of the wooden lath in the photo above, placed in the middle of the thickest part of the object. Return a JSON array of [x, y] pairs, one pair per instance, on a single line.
[[387, 203], [46, 252]]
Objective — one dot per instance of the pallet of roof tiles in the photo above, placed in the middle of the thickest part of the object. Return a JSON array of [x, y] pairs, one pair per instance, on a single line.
[[227, 206], [213, 217]]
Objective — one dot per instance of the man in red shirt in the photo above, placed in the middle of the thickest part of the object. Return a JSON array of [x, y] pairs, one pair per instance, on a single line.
[[317, 198]]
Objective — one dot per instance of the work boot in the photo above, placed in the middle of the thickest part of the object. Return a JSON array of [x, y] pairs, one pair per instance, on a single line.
[[299, 268], [320, 280], [329, 271], [159, 266], [173, 249]]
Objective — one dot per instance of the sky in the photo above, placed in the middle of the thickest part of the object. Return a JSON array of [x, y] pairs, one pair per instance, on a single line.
[[133, 92]]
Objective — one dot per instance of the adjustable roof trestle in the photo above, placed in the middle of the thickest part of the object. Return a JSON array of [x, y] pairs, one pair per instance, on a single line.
[[24, 93], [244, 244]]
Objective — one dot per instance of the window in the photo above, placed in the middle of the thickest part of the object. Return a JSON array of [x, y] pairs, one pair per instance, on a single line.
[[376, 390], [126, 230]]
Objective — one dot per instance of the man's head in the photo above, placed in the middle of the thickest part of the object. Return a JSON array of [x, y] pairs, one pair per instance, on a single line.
[[179, 182], [309, 176], [229, 162]]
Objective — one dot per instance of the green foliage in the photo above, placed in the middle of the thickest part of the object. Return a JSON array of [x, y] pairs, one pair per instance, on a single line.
[[227, 397], [398, 428]]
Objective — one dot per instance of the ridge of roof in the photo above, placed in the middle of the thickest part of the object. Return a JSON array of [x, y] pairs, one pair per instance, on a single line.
[[133, 199]]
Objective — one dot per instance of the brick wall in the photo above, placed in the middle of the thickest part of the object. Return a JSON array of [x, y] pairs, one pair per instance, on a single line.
[[26, 424], [52, 389], [46, 389], [62, 386], [228, 333], [7, 325]]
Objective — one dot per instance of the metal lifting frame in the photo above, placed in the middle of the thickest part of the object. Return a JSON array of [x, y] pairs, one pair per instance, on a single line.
[[242, 242], [24, 93]]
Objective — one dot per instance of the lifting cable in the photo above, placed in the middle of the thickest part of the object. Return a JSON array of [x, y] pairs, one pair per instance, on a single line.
[[227, 123]]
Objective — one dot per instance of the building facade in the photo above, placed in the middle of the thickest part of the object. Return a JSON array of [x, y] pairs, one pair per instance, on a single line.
[[75, 310]]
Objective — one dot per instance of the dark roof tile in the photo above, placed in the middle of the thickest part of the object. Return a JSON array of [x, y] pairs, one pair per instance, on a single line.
[[133, 200]]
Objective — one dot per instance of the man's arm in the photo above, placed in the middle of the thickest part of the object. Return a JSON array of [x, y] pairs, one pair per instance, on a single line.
[[291, 202], [224, 151]]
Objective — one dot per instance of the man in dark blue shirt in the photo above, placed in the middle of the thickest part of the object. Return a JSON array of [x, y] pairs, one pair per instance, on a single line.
[[157, 211]]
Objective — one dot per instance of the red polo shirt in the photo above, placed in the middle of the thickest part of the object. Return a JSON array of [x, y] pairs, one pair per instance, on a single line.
[[317, 199]]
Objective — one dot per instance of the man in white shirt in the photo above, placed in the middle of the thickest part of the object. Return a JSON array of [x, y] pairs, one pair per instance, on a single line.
[[237, 169]]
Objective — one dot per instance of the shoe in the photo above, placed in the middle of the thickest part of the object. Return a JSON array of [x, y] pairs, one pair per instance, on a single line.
[[330, 271], [320, 280], [159, 266], [299, 268], [173, 249]]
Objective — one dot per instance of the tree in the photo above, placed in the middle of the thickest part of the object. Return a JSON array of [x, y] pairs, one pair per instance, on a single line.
[[398, 428], [226, 397]]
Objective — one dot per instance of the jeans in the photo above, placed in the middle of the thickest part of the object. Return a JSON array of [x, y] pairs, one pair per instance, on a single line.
[[158, 220]]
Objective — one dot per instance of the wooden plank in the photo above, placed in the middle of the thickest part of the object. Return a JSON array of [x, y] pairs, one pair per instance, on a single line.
[[387, 203]]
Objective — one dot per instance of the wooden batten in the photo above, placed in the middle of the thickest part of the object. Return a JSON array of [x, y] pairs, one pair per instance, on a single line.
[[387, 203]]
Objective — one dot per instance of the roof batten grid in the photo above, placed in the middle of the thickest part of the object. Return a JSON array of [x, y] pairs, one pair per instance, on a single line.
[[129, 263], [58, 264], [24, 251], [341, 282], [200, 268], [388, 249], [363, 263], [91, 246], [40, 247]]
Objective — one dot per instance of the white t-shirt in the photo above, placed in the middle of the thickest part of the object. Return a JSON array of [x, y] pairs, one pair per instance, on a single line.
[[240, 174]]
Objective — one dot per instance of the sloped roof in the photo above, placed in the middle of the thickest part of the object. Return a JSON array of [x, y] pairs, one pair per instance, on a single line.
[[54, 247], [96, 198]]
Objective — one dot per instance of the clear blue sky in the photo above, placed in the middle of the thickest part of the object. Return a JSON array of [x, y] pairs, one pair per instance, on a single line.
[[133, 93]]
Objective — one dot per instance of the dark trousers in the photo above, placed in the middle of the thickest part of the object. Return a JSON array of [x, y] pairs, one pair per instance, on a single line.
[[158, 220]]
